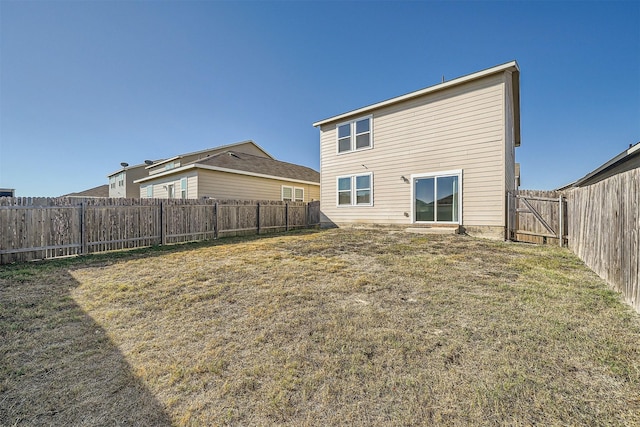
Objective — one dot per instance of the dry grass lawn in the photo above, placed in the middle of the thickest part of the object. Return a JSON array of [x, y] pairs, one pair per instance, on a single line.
[[335, 327]]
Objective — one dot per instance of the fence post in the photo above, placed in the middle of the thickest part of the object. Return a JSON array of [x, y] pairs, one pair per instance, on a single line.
[[560, 222], [162, 223], [258, 218], [215, 220], [286, 216], [83, 228]]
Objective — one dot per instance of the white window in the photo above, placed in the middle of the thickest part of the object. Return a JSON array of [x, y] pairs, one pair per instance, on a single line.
[[437, 197], [149, 191], [170, 191], [287, 194], [355, 190], [121, 179], [355, 135], [183, 188], [292, 194], [112, 182]]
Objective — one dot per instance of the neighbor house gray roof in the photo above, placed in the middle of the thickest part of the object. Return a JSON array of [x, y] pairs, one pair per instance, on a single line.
[[247, 164], [627, 160], [99, 191], [260, 165]]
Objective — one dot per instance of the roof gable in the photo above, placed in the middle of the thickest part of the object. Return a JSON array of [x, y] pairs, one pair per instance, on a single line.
[[211, 151], [513, 66]]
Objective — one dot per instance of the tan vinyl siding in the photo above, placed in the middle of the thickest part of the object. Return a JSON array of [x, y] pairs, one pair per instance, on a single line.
[[462, 127], [510, 151], [160, 190], [223, 185]]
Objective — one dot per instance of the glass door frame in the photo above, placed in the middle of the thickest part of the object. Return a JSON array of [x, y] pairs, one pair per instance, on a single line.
[[435, 175]]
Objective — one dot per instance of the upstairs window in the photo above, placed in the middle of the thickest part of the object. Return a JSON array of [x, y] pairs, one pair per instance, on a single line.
[[354, 135]]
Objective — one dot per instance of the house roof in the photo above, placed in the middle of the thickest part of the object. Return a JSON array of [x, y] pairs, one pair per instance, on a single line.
[[128, 168], [248, 164], [99, 191], [513, 66], [208, 150], [628, 159]]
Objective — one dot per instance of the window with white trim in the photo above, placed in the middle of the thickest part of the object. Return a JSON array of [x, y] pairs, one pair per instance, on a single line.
[[355, 135], [183, 188], [292, 194], [170, 192], [355, 190], [149, 191]]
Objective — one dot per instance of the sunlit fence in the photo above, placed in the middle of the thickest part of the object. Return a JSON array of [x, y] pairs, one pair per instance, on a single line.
[[38, 228]]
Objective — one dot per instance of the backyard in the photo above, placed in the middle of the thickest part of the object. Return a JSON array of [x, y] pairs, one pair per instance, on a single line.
[[333, 327]]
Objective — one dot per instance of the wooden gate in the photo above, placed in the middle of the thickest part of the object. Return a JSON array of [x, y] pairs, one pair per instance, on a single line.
[[540, 217]]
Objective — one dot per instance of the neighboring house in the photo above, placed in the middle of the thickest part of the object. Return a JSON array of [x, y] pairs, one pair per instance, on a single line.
[[234, 175], [444, 155], [122, 182], [625, 161], [99, 192], [7, 192]]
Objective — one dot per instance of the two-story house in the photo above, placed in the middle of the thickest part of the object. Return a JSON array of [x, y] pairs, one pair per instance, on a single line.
[[439, 156], [122, 183], [236, 171]]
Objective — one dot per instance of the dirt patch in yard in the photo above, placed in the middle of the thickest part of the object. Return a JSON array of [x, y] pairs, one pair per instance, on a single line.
[[358, 327]]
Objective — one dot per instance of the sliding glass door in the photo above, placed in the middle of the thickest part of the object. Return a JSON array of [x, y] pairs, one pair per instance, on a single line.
[[436, 198]]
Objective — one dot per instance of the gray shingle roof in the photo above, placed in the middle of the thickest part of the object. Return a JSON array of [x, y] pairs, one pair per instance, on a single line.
[[99, 191], [260, 165]]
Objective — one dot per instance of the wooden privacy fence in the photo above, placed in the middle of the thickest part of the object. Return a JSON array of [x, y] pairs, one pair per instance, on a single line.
[[540, 217], [38, 228], [604, 231]]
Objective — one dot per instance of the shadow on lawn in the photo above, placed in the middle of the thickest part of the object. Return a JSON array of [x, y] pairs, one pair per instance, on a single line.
[[57, 366]]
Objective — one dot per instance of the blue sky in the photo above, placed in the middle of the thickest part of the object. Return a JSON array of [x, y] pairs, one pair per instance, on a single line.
[[87, 85]]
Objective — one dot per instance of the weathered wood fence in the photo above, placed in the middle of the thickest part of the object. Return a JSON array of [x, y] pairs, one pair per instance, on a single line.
[[38, 228], [540, 217], [604, 231]]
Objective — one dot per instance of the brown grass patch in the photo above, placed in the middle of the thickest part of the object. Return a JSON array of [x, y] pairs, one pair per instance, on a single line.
[[319, 328]]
